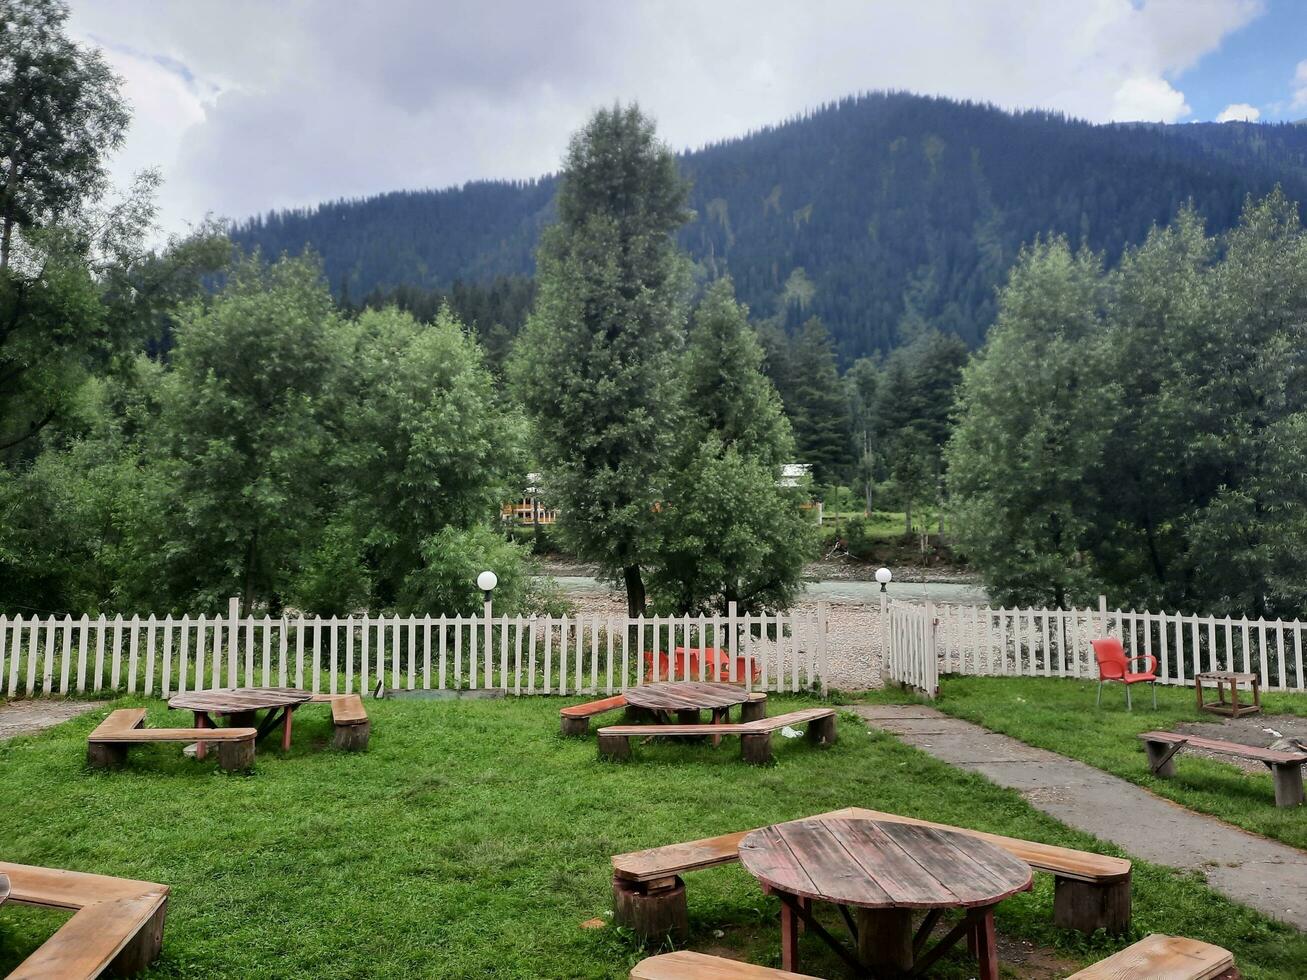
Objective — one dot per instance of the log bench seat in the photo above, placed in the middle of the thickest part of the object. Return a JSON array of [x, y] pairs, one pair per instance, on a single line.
[[350, 719], [106, 747], [755, 736], [575, 720], [1156, 957], [117, 923], [1159, 957], [1286, 767], [1091, 891], [686, 965]]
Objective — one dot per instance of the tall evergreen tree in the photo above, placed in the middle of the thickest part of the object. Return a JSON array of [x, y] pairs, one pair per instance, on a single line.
[[728, 530], [820, 411], [725, 388], [594, 364]]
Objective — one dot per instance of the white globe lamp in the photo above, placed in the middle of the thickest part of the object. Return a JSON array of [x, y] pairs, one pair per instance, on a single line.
[[884, 576], [486, 582]]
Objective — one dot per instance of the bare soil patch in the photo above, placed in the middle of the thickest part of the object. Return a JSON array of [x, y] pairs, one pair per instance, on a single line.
[[1255, 730], [33, 714]]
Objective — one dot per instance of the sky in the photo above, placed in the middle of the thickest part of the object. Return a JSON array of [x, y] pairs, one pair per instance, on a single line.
[[250, 105]]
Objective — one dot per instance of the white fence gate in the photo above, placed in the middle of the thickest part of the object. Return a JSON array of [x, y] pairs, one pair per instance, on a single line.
[[522, 655], [911, 657], [1056, 643]]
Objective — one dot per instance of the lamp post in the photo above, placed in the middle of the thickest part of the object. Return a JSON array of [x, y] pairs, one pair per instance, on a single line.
[[884, 576], [486, 582]]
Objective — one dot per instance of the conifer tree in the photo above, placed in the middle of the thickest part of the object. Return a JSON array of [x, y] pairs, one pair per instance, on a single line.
[[594, 364]]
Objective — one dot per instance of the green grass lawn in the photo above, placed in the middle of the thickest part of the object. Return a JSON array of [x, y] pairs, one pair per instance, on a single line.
[[471, 840], [1060, 715]]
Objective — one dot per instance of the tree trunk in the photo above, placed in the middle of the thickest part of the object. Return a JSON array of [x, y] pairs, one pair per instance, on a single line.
[[635, 597], [907, 516], [6, 241], [247, 579]]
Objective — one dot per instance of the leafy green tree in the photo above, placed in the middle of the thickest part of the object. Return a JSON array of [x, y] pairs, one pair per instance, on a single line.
[[243, 427], [730, 534], [61, 114], [426, 445], [728, 531], [1159, 457], [594, 364], [1033, 423]]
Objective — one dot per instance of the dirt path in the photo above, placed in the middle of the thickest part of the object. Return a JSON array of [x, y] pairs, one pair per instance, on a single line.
[[1265, 874], [33, 714]]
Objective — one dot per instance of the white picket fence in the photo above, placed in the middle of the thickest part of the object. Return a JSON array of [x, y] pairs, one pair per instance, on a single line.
[[925, 640], [521, 655]]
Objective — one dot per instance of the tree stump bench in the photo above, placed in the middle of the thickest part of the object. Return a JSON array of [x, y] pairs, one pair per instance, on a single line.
[[755, 736], [106, 747], [1091, 891], [116, 927], [575, 720], [1286, 767], [350, 718]]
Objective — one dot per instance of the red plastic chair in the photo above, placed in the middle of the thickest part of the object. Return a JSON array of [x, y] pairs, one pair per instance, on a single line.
[[1113, 665], [717, 666]]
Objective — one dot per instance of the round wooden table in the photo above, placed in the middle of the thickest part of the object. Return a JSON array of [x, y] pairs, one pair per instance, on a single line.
[[687, 699], [885, 872], [239, 705]]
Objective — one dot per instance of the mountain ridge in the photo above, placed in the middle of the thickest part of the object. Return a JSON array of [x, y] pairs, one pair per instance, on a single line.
[[876, 212]]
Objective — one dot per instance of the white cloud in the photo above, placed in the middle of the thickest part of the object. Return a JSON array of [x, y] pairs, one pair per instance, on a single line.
[[1300, 86], [1148, 99], [1239, 112], [248, 105]]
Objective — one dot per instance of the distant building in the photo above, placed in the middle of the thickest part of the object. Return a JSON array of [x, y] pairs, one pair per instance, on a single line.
[[528, 511], [792, 474]]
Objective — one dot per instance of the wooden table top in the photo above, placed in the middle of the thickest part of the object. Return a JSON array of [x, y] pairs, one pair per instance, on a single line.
[[4, 888], [233, 700], [685, 695], [1224, 675], [875, 864]]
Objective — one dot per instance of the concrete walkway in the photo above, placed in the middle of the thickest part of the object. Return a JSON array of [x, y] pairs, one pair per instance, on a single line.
[[1264, 874]]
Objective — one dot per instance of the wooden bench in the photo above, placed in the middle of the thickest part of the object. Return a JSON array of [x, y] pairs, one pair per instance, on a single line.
[[1286, 767], [117, 923], [685, 965], [575, 720], [755, 736], [350, 718], [1159, 957], [1091, 891], [106, 747], [1155, 957]]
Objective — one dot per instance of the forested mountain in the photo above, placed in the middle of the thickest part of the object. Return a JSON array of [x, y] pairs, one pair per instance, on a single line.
[[875, 214]]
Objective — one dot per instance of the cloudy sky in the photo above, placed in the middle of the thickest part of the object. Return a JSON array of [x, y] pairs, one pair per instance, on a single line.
[[248, 105]]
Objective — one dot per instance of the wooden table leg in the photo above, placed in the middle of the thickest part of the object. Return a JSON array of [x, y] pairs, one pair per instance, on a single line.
[[789, 939], [885, 940], [1257, 694], [285, 728], [1198, 692], [201, 721], [1234, 698], [986, 946]]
